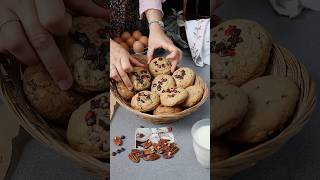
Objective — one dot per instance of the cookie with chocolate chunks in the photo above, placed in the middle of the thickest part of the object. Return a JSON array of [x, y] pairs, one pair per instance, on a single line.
[[124, 92], [140, 78], [160, 65], [184, 77], [173, 97], [86, 51], [88, 129], [162, 83], [145, 101]]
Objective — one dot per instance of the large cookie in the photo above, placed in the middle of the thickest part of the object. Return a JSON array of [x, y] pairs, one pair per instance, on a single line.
[[272, 102], [145, 101], [47, 98], [86, 51], [240, 51], [229, 105], [160, 110], [184, 77], [194, 96], [88, 129], [140, 78], [173, 97], [159, 66], [162, 83], [124, 92]]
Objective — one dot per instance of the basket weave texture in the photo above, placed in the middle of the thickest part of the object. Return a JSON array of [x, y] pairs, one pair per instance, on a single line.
[[282, 63], [49, 134]]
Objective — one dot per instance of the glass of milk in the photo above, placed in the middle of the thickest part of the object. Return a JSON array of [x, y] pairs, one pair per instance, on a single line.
[[201, 141]]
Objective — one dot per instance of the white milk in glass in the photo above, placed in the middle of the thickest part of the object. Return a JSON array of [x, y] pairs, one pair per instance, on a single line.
[[201, 141]]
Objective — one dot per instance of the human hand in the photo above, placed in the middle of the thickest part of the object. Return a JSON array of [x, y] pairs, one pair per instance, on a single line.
[[158, 39], [121, 63], [26, 29]]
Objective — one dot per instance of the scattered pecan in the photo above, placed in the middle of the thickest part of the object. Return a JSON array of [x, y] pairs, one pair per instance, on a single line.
[[151, 157], [147, 144], [134, 158], [117, 141]]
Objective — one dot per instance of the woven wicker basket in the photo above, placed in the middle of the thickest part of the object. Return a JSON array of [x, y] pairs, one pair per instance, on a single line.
[[282, 63], [161, 119], [51, 135]]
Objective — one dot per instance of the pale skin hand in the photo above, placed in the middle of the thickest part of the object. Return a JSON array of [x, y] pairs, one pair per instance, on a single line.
[[28, 29], [158, 39], [121, 63]]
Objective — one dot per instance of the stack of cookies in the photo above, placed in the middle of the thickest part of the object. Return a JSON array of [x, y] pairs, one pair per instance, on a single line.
[[157, 91], [248, 106], [84, 108]]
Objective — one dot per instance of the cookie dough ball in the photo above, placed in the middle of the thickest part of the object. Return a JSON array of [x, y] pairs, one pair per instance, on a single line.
[[159, 66], [194, 96], [272, 102], [166, 110], [47, 98], [88, 129], [184, 77], [229, 104], [162, 83], [173, 97], [240, 51], [124, 92], [145, 101], [140, 78], [86, 52]]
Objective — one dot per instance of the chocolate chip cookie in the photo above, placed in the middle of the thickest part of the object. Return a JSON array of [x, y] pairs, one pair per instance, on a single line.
[[229, 104], [173, 97], [140, 78], [194, 96], [47, 98], [240, 51], [162, 83], [86, 52], [272, 102], [166, 110], [124, 92], [145, 101], [184, 77], [88, 129], [159, 66]]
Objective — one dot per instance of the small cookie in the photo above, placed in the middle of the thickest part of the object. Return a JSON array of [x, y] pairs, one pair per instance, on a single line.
[[86, 52], [194, 96], [47, 98], [159, 66], [272, 102], [220, 151], [124, 92], [88, 129], [166, 110], [145, 101], [140, 78], [240, 51], [229, 105], [184, 77], [162, 83], [173, 97]]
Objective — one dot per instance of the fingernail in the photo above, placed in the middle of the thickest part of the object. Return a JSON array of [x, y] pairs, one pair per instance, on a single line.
[[64, 84]]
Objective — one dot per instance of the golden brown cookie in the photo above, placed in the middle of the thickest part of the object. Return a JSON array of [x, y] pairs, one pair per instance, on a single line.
[[159, 66], [86, 52], [194, 96], [173, 97], [162, 83], [184, 77], [47, 98], [145, 101], [272, 102], [140, 78], [88, 129], [124, 92], [166, 110]]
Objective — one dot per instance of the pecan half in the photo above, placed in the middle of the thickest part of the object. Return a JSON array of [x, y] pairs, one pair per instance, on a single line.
[[117, 141], [134, 158], [151, 157]]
